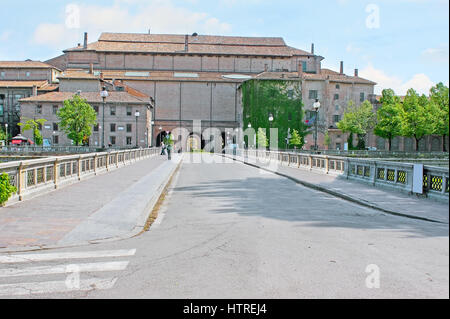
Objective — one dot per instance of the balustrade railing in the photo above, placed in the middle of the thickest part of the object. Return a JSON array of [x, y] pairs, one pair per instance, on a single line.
[[388, 174], [45, 174]]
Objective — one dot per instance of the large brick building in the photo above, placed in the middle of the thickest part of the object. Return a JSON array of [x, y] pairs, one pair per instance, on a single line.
[[19, 79], [197, 77]]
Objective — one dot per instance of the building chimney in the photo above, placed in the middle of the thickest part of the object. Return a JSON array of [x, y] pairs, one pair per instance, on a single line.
[[34, 92], [91, 68], [186, 43], [312, 48], [342, 67], [85, 40], [356, 72]]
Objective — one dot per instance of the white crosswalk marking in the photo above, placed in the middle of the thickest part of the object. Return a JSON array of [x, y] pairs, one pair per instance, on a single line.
[[55, 256], [73, 270]]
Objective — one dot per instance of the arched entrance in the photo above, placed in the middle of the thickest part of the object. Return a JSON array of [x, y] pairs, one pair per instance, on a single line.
[[160, 138], [194, 143]]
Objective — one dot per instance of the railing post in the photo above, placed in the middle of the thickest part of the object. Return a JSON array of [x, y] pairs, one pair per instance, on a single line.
[[117, 159], [56, 173], [79, 167], [327, 164], [107, 161], [95, 163], [310, 162], [21, 181]]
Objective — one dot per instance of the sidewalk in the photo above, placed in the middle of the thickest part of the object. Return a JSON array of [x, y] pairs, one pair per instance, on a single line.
[[389, 201], [105, 206]]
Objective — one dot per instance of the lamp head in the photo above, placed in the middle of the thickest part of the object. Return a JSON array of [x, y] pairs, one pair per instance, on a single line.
[[316, 105]]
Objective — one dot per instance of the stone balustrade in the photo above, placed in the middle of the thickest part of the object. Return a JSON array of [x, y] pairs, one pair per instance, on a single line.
[[37, 176]]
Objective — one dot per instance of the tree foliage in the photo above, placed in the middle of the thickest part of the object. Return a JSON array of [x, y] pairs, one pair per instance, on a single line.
[[358, 120], [297, 140], [34, 125], [6, 189], [439, 111], [388, 120], [77, 118], [415, 116]]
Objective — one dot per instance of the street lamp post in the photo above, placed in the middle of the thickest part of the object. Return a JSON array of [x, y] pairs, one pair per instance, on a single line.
[[137, 114], [316, 106], [104, 94], [270, 131]]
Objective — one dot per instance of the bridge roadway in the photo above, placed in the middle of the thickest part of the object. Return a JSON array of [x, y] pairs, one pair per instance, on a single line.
[[228, 230]]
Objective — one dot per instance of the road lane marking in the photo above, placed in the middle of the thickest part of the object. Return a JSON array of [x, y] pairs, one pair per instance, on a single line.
[[22, 289], [63, 269], [12, 259]]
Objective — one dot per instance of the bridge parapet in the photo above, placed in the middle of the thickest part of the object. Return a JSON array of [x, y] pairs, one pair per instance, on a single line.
[[37, 176], [386, 174]]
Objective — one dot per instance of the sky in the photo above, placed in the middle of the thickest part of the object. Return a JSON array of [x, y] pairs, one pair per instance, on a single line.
[[399, 44]]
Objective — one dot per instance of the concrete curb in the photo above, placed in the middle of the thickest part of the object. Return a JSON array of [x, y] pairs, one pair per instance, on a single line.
[[137, 230], [346, 197]]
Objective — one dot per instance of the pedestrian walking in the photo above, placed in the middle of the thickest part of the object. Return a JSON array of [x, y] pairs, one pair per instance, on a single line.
[[169, 142], [163, 149]]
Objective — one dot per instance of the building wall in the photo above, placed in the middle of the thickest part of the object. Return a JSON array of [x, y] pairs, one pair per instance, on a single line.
[[26, 74], [73, 85], [121, 119]]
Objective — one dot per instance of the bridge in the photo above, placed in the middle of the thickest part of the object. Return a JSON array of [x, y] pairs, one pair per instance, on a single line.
[[253, 224]]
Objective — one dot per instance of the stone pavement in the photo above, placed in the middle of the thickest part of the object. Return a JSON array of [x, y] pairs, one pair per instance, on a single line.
[[390, 201], [84, 211]]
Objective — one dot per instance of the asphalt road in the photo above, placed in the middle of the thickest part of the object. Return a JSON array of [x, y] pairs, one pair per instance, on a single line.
[[231, 231]]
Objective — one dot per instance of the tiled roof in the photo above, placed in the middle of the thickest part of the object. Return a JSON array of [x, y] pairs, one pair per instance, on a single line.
[[327, 74], [91, 97], [22, 84], [25, 65], [172, 76], [173, 44], [78, 74]]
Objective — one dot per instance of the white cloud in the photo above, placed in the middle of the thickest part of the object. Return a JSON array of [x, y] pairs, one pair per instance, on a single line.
[[159, 16], [419, 82], [436, 55]]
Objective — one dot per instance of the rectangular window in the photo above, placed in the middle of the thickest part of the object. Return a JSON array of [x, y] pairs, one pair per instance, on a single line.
[[55, 127], [290, 93], [129, 140], [55, 139], [337, 107], [313, 94], [337, 118], [112, 127], [362, 97], [27, 74], [129, 111], [336, 97], [304, 66], [129, 128], [2, 74], [95, 108], [55, 109], [39, 109], [1, 109], [338, 86], [338, 146], [112, 140], [113, 110], [96, 128]]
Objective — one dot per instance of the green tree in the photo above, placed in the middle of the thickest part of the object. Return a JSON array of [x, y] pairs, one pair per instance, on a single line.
[[3, 136], [77, 118], [358, 120], [327, 140], [439, 111], [297, 140], [6, 189], [261, 139], [388, 121], [35, 126], [415, 116]]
